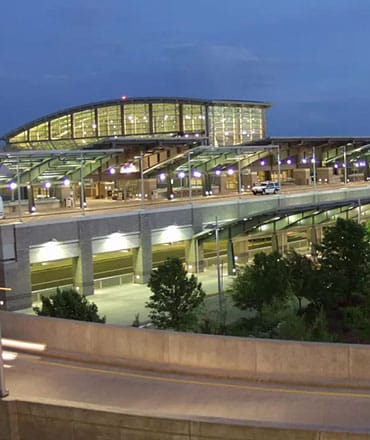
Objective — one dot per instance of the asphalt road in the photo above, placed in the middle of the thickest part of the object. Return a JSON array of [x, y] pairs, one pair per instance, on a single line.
[[160, 394]]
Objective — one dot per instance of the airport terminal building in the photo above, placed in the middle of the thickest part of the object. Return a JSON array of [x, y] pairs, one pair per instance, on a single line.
[[213, 146]]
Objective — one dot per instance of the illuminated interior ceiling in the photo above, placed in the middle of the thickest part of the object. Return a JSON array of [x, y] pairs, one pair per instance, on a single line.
[[210, 158], [224, 122], [36, 166]]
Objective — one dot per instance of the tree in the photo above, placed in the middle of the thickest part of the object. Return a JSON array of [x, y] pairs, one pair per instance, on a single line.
[[175, 296], [69, 304], [344, 265], [302, 276], [262, 282]]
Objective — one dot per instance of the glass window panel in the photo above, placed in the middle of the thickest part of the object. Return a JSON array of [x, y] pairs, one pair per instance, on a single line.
[[21, 137], [136, 119], [165, 118], [40, 132], [84, 124], [235, 124], [194, 118], [61, 128], [109, 121]]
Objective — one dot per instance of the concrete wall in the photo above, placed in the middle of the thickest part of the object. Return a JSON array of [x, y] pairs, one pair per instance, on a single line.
[[300, 362], [25, 420], [20, 244]]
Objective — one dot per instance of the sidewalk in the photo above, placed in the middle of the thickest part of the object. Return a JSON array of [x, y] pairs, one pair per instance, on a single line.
[[120, 304]]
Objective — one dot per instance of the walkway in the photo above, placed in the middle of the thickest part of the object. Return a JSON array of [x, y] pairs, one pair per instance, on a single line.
[[120, 304]]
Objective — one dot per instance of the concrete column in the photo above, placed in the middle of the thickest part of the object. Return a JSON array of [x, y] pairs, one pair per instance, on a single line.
[[142, 257], [15, 269], [194, 256], [241, 249], [223, 184], [314, 235], [279, 242], [82, 268]]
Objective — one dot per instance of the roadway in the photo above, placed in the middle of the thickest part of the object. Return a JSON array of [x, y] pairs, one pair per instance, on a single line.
[[108, 206], [158, 393]]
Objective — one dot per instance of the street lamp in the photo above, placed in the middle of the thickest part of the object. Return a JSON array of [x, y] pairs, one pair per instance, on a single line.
[[279, 168], [3, 390], [345, 162], [239, 175], [181, 175], [314, 164], [82, 187], [218, 263], [189, 174], [142, 195]]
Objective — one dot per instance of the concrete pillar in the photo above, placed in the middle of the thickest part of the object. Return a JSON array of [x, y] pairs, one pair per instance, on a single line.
[[194, 256], [15, 271], [279, 242], [241, 249], [142, 257], [314, 235], [223, 184], [82, 268]]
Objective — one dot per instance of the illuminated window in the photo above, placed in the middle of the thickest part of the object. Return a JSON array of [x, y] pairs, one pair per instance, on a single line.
[[84, 124], [232, 125], [194, 118], [40, 132], [136, 119], [61, 128], [109, 121], [165, 118], [21, 137]]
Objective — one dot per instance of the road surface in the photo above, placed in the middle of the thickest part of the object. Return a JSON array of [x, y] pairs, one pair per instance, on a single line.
[[162, 394]]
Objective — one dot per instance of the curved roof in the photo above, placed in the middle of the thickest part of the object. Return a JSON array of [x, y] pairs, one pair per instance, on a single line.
[[135, 100]]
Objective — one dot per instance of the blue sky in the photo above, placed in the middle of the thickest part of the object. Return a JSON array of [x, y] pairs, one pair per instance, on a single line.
[[309, 58]]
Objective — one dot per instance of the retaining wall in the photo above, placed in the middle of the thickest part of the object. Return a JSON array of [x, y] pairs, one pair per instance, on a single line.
[[292, 361], [24, 420]]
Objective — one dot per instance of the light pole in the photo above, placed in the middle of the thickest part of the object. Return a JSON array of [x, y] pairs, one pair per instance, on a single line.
[[279, 166], [181, 175], [3, 390], [142, 191], [189, 174], [19, 192], [239, 175], [345, 162], [219, 282], [314, 164], [82, 188]]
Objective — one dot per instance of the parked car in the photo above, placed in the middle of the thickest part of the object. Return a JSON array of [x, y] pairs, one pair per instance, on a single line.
[[265, 188]]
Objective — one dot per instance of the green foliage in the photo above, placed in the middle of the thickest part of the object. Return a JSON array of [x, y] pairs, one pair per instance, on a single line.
[[332, 295], [344, 265], [260, 284], [176, 297], [69, 304], [302, 276]]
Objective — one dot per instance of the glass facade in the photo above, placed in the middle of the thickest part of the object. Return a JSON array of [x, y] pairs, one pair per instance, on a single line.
[[225, 123], [109, 121], [61, 128], [233, 125], [136, 119], [194, 118], [166, 118]]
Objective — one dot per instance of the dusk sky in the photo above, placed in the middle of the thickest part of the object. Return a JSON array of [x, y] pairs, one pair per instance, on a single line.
[[309, 58]]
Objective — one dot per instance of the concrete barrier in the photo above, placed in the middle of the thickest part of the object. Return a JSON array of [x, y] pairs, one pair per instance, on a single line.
[[25, 420], [274, 360]]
